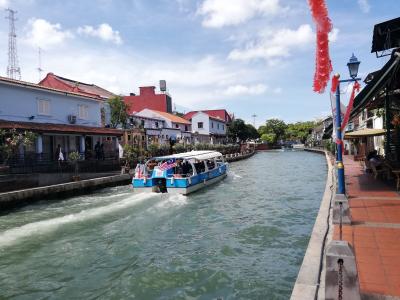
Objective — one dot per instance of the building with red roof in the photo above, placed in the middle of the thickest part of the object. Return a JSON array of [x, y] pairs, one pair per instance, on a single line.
[[221, 114], [68, 120], [161, 126], [209, 126], [148, 98], [61, 83]]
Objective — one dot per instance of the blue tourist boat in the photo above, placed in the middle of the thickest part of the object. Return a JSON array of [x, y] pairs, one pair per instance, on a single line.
[[181, 173]]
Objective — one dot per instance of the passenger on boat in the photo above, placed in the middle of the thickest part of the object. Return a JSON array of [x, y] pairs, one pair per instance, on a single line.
[[150, 166], [200, 168], [210, 164], [187, 169], [178, 169]]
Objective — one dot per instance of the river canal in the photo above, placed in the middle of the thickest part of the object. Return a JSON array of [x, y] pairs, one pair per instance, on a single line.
[[243, 238]]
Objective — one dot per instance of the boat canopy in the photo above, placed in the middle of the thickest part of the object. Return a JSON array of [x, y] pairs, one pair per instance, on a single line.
[[200, 155]]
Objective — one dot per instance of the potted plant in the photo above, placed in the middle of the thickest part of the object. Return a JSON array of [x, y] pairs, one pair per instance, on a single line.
[[74, 157]]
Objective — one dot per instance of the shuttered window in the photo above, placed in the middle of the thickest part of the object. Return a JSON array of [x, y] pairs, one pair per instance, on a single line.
[[83, 111], [44, 107]]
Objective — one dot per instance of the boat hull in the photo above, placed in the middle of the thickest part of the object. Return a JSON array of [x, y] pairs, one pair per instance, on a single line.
[[182, 186]]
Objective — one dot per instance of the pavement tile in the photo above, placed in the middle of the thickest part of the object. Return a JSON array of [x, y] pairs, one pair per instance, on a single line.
[[377, 247]]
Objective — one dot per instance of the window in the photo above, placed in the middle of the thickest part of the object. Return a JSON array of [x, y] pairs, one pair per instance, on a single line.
[[199, 124], [156, 124], [186, 128], [176, 125], [83, 111], [212, 124], [223, 127], [44, 107], [218, 126], [142, 123]]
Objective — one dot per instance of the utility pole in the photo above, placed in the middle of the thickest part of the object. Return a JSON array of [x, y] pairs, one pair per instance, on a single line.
[[254, 120], [40, 70], [13, 69]]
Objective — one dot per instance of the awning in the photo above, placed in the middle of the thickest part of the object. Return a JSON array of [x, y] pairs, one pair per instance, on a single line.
[[364, 133], [375, 85], [60, 128], [386, 35]]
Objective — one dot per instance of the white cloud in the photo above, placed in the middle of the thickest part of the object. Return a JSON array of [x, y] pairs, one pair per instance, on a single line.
[[219, 13], [364, 6], [274, 45], [239, 89], [46, 35], [333, 35], [3, 3], [104, 31]]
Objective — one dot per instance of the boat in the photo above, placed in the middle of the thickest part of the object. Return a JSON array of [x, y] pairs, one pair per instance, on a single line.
[[181, 173]]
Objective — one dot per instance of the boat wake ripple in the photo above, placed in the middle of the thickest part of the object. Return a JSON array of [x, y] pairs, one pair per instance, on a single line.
[[14, 235]]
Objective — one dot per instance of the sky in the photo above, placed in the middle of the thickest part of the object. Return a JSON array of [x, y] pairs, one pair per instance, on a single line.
[[247, 56]]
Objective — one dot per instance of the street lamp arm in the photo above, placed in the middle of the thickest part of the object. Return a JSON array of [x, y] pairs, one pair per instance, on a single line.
[[349, 80]]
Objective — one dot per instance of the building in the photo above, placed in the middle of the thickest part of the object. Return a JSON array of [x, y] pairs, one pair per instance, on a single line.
[[66, 118], [209, 126], [162, 127], [323, 131], [148, 98], [61, 83]]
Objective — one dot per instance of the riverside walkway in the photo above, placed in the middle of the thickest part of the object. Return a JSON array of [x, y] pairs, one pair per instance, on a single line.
[[374, 232]]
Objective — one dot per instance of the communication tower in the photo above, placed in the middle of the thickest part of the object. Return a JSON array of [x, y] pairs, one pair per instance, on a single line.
[[254, 120], [13, 69], [40, 70]]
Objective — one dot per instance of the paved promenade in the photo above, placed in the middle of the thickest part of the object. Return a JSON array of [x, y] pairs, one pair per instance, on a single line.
[[375, 231]]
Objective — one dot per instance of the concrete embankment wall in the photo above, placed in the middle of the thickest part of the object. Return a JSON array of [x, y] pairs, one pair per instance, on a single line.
[[14, 199], [13, 182], [311, 278]]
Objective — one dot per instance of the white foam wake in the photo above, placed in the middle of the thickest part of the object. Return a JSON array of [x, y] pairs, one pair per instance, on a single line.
[[170, 200], [12, 236]]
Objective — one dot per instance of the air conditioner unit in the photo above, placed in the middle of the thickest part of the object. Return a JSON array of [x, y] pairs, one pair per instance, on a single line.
[[72, 119]]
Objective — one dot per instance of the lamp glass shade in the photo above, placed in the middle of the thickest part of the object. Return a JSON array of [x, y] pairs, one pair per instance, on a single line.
[[353, 65]]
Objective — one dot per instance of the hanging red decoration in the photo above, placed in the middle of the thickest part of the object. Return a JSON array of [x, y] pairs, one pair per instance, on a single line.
[[323, 66], [356, 87], [335, 81]]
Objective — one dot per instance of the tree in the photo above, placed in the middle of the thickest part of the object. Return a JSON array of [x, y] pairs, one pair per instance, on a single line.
[[238, 129], [299, 131], [270, 138], [119, 112], [11, 140], [252, 132], [273, 126]]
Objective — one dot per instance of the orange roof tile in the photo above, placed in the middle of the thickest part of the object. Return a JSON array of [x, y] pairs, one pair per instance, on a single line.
[[172, 118]]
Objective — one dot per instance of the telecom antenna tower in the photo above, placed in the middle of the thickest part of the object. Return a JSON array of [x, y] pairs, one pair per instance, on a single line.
[[40, 70], [254, 120], [13, 70]]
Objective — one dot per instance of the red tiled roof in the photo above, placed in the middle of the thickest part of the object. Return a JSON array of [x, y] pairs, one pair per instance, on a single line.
[[172, 118], [219, 114], [50, 89], [60, 128], [55, 81]]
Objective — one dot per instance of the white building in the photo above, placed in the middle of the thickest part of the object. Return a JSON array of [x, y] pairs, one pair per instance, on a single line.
[[161, 127], [208, 129]]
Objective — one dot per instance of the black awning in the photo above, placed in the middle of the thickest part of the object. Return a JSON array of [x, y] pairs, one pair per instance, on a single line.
[[375, 85], [386, 35]]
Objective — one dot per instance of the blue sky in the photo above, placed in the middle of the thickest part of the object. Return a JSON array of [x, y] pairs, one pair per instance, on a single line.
[[248, 56]]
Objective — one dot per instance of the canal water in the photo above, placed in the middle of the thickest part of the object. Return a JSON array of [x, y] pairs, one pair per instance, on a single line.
[[243, 238]]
